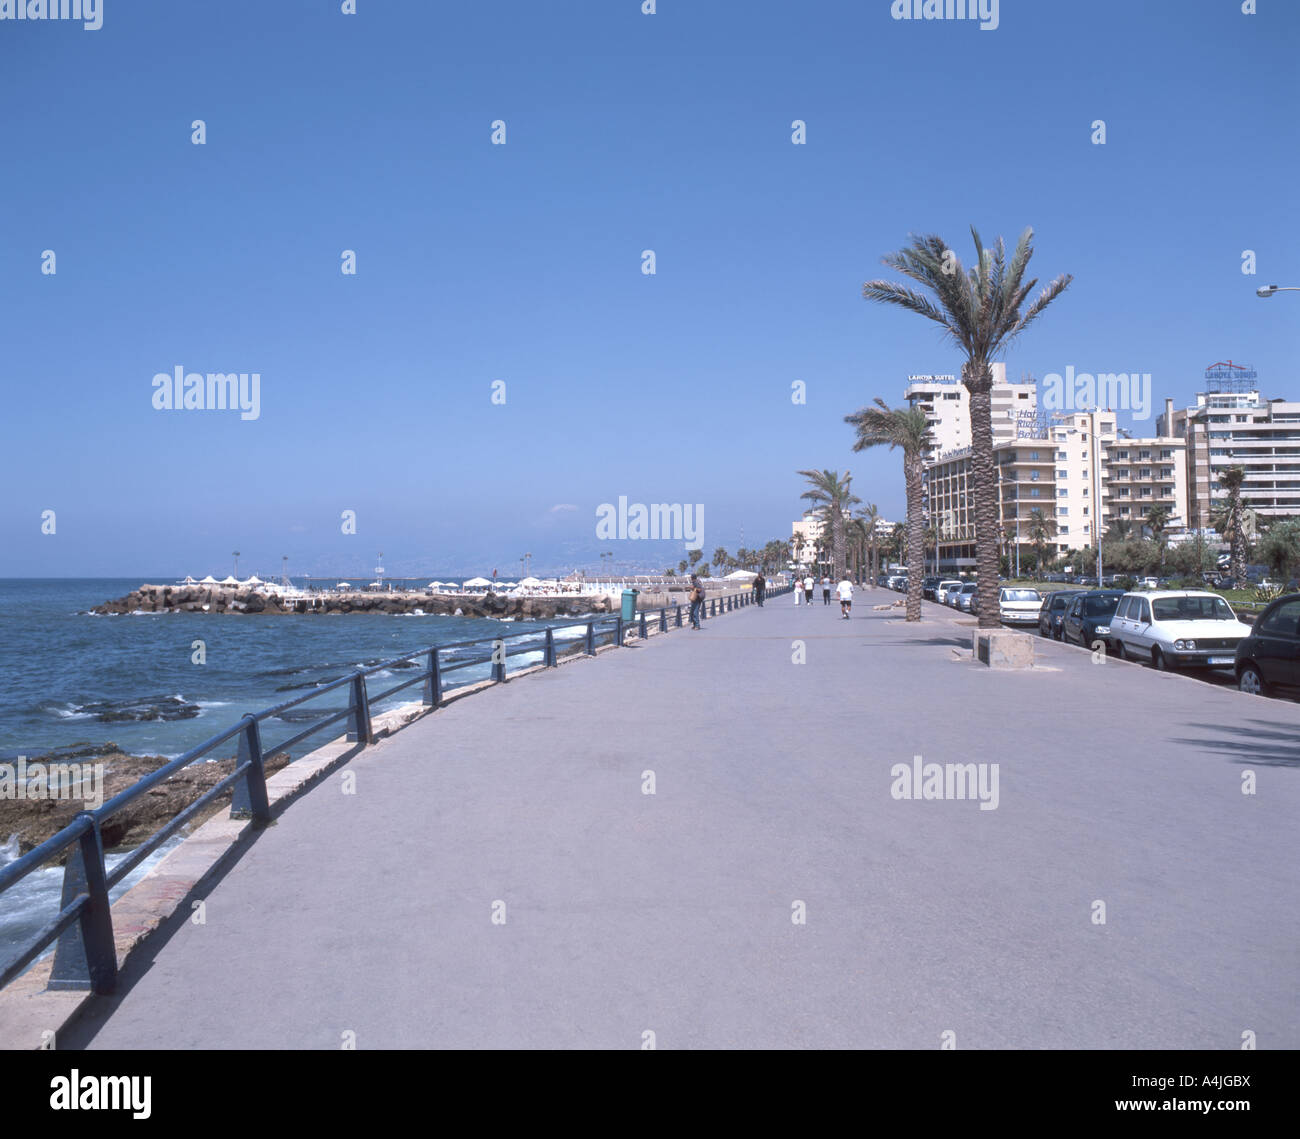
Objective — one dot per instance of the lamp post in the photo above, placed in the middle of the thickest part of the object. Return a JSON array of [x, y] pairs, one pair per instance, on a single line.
[[1267, 291], [236, 556]]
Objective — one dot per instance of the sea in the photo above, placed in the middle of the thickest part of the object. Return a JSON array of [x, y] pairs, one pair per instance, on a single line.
[[68, 676]]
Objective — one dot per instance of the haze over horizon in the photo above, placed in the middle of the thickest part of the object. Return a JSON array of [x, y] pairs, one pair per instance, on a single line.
[[522, 263]]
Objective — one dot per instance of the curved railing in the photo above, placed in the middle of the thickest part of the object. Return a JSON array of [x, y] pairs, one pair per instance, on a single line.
[[86, 957]]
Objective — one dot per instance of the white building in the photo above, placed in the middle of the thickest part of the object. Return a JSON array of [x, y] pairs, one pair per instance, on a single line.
[[947, 406]]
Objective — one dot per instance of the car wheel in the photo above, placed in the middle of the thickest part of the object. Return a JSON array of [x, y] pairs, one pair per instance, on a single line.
[[1250, 680], [1160, 662]]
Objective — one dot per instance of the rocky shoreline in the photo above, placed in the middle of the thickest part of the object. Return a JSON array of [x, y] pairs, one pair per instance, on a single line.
[[217, 599], [34, 820]]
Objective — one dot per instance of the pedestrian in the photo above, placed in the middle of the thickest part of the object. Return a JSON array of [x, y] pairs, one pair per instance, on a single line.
[[845, 590], [696, 598], [798, 590], [826, 590], [760, 587], [808, 584]]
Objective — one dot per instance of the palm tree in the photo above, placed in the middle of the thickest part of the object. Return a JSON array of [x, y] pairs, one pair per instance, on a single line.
[[980, 312], [831, 499], [905, 428], [1119, 530], [720, 558], [1156, 520], [1040, 530], [1231, 520], [870, 519]]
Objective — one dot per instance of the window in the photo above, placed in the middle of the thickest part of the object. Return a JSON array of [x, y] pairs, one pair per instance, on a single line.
[[1284, 621], [1062, 511], [1124, 606], [1033, 492], [1144, 611], [1062, 474], [1033, 456], [1122, 455], [1144, 456], [1033, 476], [1062, 455], [1145, 473], [1064, 529], [1146, 492]]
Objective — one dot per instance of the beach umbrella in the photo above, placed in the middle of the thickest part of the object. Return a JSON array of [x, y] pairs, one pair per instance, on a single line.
[[209, 580], [530, 582], [741, 575], [254, 580], [228, 580], [477, 583], [434, 585], [345, 585]]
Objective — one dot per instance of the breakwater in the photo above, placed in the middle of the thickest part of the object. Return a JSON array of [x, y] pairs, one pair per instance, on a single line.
[[254, 600]]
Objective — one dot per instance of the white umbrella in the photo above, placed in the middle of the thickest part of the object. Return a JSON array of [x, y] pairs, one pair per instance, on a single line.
[[741, 575], [477, 582], [530, 582], [228, 580], [209, 580], [254, 580], [434, 585], [345, 585]]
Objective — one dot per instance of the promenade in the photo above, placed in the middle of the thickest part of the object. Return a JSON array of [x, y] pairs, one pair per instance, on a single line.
[[626, 913]]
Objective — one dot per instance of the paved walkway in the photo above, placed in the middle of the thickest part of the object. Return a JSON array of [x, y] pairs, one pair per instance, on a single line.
[[671, 913]]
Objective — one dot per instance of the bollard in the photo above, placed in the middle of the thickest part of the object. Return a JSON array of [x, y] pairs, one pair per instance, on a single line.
[[663, 620], [499, 665], [550, 648], [591, 639], [641, 629], [249, 800]]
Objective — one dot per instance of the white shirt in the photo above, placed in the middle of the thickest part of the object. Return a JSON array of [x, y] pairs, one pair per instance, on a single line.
[[845, 590]]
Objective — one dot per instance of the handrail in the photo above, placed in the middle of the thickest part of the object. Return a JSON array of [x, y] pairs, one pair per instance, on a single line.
[[85, 955]]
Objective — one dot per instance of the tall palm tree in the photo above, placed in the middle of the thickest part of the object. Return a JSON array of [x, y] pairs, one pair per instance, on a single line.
[[905, 428], [720, 558], [1040, 530], [980, 312], [831, 499], [1157, 518], [1231, 519], [870, 519]]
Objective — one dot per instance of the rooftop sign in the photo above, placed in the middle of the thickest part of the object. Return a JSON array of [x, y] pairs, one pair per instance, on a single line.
[[932, 379]]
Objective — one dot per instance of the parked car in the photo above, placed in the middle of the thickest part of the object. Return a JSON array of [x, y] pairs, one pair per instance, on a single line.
[[950, 598], [928, 586], [1147, 583], [1268, 659], [1085, 581], [882, 580], [1018, 605], [1088, 617], [965, 594], [1052, 612], [1177, 629], [944, 588], [893, 580]]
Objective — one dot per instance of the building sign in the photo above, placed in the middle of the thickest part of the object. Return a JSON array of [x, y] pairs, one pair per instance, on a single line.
[[931, 379], [1226, 375]]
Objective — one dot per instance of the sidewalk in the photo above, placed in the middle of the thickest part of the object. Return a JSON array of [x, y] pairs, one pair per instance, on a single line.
[[625, 912]]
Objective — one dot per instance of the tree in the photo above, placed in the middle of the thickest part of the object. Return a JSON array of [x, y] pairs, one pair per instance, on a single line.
[[670, 572], [694, 556], [720, 558], [681, 567], [904, 428], [1157, 518], [1230, 521], [1279, 549], [870, 519], [980, 312], [1040, 532], [832, 500]]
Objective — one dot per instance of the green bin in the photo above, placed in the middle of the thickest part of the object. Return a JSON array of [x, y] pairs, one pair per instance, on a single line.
[[629, 605]]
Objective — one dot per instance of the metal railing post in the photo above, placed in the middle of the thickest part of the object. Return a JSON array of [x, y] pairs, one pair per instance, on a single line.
[[85, 957], [499, 664], [679, 614], [618, 640], [663, 620], [359, 711], [248, 799], [433, 681], [641, 629], [591, 638], [550, 648]]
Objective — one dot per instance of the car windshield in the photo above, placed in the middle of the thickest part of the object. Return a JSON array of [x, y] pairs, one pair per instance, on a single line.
[[1020, 595], [1191, 609], [969, 587], [1099, 606]]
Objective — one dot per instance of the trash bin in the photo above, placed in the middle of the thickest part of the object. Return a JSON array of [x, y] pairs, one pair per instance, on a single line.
[[629, 605]]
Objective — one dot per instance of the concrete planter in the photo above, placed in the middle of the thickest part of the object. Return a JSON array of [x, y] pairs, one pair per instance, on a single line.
[[999, 648]]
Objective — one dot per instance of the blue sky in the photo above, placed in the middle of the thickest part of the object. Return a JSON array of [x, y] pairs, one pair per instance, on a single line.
[[522, 263]]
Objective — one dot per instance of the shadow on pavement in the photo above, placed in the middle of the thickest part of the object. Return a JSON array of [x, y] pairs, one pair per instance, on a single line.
[[1263, 742]]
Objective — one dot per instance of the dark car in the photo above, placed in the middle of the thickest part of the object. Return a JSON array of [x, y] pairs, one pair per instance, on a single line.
[[928, 587], [1087, 619], [1053, 612], [1268, 660]]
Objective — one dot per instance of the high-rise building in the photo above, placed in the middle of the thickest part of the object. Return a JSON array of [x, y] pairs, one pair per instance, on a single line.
[[1238, 428], [946, 403]]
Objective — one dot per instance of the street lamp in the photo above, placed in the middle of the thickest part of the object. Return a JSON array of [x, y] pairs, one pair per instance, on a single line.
[[1268, 290]]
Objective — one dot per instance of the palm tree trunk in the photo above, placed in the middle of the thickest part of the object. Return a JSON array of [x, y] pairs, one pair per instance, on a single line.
[[978, 379], [912, 467]]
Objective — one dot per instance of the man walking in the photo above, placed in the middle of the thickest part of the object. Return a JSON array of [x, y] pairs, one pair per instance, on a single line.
[[760, 587], [826, 590], [845, 590], [696, 598], [808, 583]]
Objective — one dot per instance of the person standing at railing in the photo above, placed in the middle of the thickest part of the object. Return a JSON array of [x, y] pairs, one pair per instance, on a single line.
[[696, 598]]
